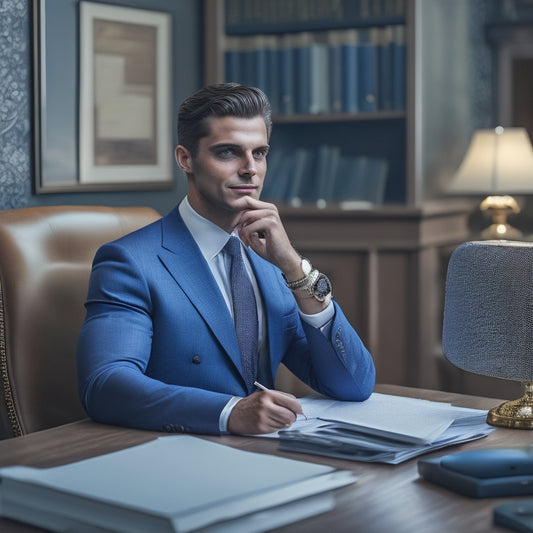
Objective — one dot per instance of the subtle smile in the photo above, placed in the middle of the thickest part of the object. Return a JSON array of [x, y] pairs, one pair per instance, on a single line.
[[244, 189]]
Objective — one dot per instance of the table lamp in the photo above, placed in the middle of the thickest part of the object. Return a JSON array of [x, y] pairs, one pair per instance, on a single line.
[[498, 162], [488, 319]]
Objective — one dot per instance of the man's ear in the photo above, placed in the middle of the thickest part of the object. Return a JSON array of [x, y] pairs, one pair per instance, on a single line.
[[183, 158]]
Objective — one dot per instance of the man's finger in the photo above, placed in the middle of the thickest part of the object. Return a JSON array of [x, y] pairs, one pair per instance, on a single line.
[[288, 401]]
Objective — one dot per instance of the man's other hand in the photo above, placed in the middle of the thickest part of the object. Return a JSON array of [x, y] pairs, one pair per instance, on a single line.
[[264, 412]]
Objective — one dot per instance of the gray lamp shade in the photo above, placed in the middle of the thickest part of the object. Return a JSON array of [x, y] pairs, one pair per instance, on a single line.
[[488, 311]]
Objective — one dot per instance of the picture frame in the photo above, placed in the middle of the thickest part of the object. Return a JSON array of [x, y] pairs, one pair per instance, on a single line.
[[66, 119], [124, 95]]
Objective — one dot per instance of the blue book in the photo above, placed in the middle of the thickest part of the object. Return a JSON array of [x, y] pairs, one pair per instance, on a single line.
[[302, 169], [272, 72], [335, 71], [319, 81], [232, 60], [271, 187], [302, 72], [238, 60], [328, 191], [311, 74], [286, 82], [326, 169], [350, 71], [361, 181], [348, 180], [375, 179], [283, 174], [398, 68], [385, 68], [368, 69], [259, 72], [247, 60], [309, 187]]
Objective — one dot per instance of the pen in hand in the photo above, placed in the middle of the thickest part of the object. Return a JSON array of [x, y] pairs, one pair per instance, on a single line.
[[259, 386], [262, 387]]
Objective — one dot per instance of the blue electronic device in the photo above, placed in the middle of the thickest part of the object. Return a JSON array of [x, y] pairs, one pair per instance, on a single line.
[[517, 516], [483, 473]]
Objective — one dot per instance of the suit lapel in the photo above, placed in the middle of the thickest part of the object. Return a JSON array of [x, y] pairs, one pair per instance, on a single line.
[[184, 261]]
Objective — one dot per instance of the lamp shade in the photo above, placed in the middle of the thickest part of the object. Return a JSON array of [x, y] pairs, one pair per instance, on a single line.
[[488, 311], [498, 161]]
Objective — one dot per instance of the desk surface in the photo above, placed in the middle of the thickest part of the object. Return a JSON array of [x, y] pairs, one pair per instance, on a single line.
[[386, 498]]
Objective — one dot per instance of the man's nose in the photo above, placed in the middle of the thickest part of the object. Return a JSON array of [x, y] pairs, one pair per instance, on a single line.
[[248, 168]]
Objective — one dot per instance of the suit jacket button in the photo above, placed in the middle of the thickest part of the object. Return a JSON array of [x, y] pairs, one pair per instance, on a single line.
[[196, 359]]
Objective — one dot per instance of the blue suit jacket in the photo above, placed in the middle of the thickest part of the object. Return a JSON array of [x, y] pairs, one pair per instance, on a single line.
[[158, 348]]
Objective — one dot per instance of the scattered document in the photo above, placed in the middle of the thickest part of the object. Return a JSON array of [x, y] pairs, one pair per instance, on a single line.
[[384, 428], [171, 484]]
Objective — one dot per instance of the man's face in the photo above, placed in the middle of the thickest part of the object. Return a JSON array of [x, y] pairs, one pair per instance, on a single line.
[[230, 164]]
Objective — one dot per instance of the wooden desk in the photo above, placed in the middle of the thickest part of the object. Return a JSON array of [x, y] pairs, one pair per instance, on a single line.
[[386, 499]]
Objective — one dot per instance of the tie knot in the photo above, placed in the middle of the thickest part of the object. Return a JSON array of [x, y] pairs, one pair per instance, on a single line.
[[233, 247]]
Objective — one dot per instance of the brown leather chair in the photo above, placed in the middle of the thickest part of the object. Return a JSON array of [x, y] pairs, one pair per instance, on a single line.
[[45, 261]]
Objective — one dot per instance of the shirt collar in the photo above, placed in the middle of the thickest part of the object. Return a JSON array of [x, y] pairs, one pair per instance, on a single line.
[[209, 237]]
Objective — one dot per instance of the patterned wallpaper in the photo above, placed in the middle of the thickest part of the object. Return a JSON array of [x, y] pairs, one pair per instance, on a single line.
[[484, 108], [15, 128]]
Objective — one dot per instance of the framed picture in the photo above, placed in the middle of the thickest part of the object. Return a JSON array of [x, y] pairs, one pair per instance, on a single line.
[[124, 95], [103, 87]]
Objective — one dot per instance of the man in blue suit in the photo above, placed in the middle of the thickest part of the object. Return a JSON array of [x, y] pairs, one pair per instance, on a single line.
[[161, 347]]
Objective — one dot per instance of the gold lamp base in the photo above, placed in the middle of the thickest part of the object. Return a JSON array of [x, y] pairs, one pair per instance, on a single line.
[[499, 208], [515, 414]]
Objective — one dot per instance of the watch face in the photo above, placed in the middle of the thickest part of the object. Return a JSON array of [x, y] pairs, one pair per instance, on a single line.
[[322, 287], [306, 267]]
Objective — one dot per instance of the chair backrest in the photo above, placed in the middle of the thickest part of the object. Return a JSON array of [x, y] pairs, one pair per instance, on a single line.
[[45, 261]]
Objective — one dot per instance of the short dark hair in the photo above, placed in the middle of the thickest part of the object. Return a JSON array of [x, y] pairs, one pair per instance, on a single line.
[[219, 100]]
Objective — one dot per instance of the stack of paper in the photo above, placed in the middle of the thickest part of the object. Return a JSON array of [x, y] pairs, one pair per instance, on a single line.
[[384, 428], [172, 484]]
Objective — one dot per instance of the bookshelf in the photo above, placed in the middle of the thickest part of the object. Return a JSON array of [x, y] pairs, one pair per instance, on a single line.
[[387, 258], [335, 73]]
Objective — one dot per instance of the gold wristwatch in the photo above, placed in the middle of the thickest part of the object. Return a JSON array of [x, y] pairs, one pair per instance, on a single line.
[[314, 283]]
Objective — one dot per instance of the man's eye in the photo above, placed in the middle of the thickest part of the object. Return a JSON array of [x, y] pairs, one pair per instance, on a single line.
[[226, 152], [260, 154]]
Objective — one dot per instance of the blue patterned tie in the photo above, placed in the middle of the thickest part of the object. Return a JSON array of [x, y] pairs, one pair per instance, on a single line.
[[244, 312]]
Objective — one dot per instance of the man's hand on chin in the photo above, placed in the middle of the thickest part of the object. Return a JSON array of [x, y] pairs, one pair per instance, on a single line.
[[260, 228]]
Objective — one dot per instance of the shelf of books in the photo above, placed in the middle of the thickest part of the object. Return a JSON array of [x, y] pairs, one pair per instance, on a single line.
[[335, 74]]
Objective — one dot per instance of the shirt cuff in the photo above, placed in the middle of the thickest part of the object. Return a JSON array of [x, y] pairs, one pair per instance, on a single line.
[[224, 415], [322, 319]]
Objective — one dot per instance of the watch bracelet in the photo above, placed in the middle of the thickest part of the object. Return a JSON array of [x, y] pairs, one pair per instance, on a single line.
[[297, 283], [300, 282], [310, 282]]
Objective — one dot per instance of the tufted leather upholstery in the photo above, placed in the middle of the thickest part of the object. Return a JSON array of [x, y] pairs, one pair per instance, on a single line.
[[45, 261]]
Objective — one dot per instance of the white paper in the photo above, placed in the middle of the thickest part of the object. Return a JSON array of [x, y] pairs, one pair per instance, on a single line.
[[190, 482], [384, 428], [408, 419]]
